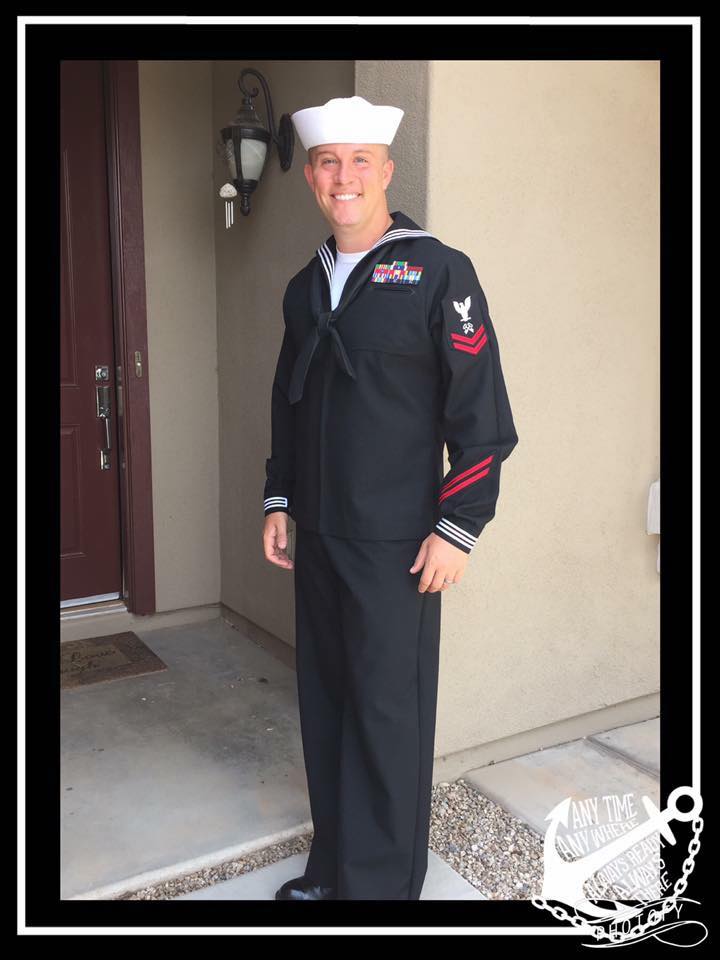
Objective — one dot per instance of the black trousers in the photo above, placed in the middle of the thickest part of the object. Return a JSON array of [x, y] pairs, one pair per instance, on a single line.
[[367, 651]]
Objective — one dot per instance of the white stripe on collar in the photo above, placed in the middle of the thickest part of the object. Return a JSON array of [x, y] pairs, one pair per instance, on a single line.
[[328, 261]]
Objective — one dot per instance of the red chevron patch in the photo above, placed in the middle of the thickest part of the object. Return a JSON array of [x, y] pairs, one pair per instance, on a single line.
[[465, 478], [472, 344]]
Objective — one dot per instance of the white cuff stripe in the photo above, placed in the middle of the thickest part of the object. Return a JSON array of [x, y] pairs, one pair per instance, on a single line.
[[457, 533], [276, 502], [449, 523]]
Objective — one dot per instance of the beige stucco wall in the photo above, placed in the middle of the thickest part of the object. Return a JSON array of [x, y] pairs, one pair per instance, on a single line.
[[403, 83], [546, 174], [178, 210]]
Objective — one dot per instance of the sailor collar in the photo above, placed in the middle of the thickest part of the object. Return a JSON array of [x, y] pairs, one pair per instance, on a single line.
[[402, 228]]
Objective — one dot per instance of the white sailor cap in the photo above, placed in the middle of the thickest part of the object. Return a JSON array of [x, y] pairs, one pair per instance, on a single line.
[[347, 120]]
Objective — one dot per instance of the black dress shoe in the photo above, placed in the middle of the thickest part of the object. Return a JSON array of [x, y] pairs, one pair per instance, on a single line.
[[302, 888]]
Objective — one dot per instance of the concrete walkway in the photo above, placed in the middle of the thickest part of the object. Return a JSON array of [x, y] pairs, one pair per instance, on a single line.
[[621, 761], [201, 763]]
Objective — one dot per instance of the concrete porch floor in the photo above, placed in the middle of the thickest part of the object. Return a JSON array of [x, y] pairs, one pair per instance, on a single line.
[[191, 765], [185, 768]]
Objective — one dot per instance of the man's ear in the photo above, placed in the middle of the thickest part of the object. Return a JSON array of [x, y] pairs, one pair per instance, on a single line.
[[388, 170], [307, 170]]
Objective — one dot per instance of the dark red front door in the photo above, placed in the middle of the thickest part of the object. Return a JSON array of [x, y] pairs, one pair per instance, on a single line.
[[90, 559]]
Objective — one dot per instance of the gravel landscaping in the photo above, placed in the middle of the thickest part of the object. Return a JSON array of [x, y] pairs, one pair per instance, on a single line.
[[494, 851]]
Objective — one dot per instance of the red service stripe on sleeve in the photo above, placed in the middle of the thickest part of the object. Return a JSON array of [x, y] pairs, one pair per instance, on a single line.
[[477, 349], [471, 340], [459, 486], [466, 473]]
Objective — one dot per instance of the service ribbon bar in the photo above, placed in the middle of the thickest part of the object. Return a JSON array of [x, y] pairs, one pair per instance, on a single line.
[[396, 272]]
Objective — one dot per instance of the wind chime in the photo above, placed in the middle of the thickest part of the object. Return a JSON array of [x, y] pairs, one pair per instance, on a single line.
[[245, 145], [228, 190]]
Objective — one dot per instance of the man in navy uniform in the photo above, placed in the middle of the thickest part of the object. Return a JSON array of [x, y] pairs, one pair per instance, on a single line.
[[388, 353]]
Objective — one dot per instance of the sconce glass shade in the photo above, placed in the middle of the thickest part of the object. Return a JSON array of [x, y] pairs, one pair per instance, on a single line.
[[252, 159], [252, 147]]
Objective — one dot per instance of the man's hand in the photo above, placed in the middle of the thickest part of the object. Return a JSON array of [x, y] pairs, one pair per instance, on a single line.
[[440, 560], [275, 540]]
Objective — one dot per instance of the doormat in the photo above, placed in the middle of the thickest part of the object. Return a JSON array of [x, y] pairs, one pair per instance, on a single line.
[[99, 659]]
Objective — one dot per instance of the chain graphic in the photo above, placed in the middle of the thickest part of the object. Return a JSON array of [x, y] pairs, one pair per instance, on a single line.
[[564, 880]]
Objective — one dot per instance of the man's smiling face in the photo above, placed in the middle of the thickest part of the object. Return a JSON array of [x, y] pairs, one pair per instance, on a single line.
[[349, 181]]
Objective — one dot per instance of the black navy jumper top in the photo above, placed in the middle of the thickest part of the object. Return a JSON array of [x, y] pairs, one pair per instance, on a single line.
[[365, 396]]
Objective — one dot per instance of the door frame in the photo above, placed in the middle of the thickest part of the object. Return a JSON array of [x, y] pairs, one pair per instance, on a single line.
[[127, 256]]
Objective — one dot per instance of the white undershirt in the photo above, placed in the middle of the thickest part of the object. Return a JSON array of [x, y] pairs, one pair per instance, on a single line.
[[344, 263]]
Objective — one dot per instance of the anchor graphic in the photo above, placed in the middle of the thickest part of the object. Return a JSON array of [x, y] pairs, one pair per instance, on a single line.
[[563, 880]]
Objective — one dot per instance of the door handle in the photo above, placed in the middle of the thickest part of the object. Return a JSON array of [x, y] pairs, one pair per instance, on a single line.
[[102, 402]]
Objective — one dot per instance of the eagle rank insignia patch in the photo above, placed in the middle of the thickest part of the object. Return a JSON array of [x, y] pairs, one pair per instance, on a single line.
[[470, 340]]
